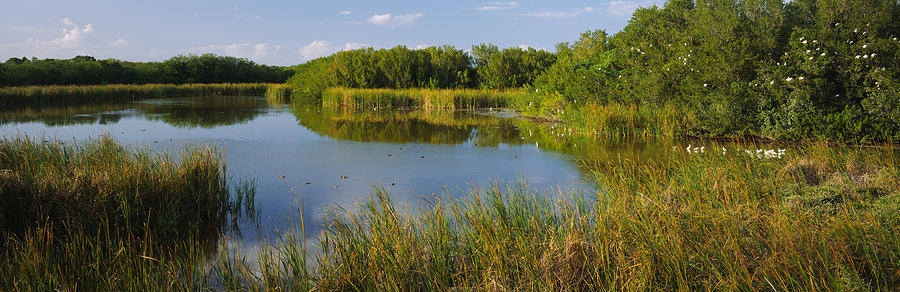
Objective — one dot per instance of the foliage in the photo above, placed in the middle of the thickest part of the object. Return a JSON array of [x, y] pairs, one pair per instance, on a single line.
[[432, 67], [789, 70], [86, 70]]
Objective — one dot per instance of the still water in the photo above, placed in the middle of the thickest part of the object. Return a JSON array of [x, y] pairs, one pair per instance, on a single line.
[[327, 157]]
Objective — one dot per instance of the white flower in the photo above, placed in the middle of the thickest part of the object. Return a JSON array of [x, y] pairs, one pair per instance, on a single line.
[[807, 51], [704, 84], [865, 46], [857, 56], [865, 56], [789, 79], [772, 82], [873, 55], [801, 77], [823, 55], [810, 58], [804, 42]]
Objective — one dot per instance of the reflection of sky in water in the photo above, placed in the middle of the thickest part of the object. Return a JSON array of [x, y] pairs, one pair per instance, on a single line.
[[266, 143]]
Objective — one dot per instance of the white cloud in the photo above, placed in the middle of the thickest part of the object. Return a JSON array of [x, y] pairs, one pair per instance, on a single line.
[[73, 40], [318, 49], [526, 47], [501, 5], [394, 21], [621, 8], [354, 46], [72, 34], [260, 53], [345, 12], [568, 13], [119, 42], [421, 47]]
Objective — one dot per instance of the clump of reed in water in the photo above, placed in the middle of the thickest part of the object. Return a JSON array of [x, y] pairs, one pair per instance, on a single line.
[[57, 94], [97, 215], [419, 98]]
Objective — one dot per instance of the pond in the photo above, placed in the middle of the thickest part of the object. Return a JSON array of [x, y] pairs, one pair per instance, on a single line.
[[326, 156]]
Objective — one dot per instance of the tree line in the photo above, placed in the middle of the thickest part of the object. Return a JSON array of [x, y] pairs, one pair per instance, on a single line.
[[86, 70], [486, 66]]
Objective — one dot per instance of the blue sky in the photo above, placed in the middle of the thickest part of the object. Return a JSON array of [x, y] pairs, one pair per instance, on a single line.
[[290, 32]]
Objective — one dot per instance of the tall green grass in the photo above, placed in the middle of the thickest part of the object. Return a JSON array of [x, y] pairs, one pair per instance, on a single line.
[[823, 218], [27, 95], [419, 98], [100, 216]]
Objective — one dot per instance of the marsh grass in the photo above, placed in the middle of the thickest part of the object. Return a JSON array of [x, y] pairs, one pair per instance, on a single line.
[[27, 95], [630, 121], [97, 215], [419, 98], [686, 222]]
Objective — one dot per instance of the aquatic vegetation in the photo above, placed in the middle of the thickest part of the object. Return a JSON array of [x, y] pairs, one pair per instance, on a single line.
[[685, 222], [97, 215], [419, 98], [32, 95]]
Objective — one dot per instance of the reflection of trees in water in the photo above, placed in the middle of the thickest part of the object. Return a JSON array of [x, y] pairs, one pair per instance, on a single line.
[[420, 126], [206, 112]]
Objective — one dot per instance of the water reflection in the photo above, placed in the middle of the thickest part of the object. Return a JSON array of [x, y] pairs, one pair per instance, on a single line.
[[190, 112]]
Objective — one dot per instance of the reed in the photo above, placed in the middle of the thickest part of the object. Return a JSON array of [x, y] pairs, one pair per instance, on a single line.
[[419, 98], [100, 216], [27, 95], [614, 120], [821, 218]]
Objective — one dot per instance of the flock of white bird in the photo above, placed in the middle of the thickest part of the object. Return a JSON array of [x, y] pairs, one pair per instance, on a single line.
[[758, 153]]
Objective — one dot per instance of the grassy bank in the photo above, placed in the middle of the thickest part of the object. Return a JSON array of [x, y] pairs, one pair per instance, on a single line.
[[27, 95], [100, 216], [419, 98], [821, 218]]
